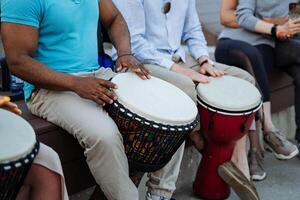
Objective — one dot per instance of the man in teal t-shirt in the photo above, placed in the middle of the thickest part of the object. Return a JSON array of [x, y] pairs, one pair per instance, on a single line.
[[52, 44]]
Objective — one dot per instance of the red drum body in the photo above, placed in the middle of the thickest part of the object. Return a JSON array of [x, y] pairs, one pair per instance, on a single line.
[[221, 128]]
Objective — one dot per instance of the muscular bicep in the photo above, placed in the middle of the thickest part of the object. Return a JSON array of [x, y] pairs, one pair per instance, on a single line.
[[19, 41], [108, 12]]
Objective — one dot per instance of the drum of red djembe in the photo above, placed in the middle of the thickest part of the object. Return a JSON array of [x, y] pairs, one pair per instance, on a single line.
[[18, 148], [227, 106], [154, 118]]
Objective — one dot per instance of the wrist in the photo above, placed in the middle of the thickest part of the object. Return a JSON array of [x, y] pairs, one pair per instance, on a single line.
[[274, 30], [123, 52], [202, 58], [73, 83]]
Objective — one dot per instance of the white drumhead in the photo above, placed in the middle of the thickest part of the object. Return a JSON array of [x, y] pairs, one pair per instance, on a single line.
[[17, 138], [229, 93], [155, 99]]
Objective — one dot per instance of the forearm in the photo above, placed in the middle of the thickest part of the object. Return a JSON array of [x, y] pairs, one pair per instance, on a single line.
[[119, 35], [40, 75], [228, 19], [246, 18]]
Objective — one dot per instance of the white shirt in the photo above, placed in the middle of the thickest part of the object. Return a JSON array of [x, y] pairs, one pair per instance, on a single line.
[[156, 37]]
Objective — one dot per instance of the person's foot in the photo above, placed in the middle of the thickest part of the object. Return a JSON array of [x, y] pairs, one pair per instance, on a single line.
[[197, 140], [149, 196], [280, 146], [237, 181], [257, 171]]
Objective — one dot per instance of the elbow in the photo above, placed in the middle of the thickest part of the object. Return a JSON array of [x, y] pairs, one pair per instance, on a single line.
[[223, 20], [15, 64]]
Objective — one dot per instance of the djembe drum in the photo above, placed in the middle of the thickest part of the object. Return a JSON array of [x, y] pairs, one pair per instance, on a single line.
[[18, 148], [227, 106], [154, 118]]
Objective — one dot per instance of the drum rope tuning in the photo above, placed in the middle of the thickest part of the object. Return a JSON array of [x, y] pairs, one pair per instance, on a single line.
[[139, 147]]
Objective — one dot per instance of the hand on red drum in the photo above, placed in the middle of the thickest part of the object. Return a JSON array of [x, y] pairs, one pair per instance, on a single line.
[[208, 69]]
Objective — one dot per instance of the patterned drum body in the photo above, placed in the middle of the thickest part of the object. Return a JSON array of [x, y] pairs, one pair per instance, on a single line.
[[150, 138], [222, 125], [18, 148]]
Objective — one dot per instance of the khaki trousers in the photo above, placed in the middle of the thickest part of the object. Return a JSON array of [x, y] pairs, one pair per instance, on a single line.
[[98, 134]]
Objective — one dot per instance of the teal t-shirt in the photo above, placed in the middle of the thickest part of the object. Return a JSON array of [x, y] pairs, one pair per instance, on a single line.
[[67, 32]]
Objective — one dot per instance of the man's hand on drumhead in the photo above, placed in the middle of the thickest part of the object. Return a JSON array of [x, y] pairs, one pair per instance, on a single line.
[[95, 89], [195, 76], [7, 105], [208, 69], [130, 62]]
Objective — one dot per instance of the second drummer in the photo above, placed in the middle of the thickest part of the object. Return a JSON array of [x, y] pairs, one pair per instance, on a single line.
[[157, 30]]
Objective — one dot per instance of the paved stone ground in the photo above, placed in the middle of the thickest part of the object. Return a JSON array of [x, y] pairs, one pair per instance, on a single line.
[[282, 183]]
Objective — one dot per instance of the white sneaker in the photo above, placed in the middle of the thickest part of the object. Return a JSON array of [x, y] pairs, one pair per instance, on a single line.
[[155, 197]]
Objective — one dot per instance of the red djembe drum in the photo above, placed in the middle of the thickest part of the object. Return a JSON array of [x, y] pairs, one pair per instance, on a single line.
[[227, 106]]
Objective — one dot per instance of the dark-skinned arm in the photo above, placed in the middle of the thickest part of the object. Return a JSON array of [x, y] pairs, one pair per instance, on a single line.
[[118, 32], [20, 43]]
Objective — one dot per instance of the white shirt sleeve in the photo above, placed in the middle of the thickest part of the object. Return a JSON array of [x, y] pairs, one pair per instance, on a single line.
[[133, 12], [192, 32]]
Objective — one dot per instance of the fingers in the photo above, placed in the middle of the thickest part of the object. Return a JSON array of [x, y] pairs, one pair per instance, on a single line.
[[202, 79], [4, 100], [107, 84], [98, 100], [12, 107], [139, 69], [210, 70], [131, 63]]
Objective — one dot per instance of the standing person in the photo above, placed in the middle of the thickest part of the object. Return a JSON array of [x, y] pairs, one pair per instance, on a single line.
[[249, 42], [157, 29], [52, 45], [45, 178]]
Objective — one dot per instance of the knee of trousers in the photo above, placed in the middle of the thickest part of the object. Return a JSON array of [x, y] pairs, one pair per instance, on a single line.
[[248, 77], [104, 136], [189, 88]]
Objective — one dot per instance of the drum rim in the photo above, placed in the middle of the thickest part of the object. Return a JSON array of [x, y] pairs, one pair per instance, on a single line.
[[159, 118], [140, 119], [229, 112], [27, 159], [20, 155]]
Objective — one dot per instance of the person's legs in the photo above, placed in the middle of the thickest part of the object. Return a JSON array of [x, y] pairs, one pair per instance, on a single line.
[[162, 182], [45, 178], [239, 157], [288, 59], [278, 144], [43, 183], [97, 134]]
